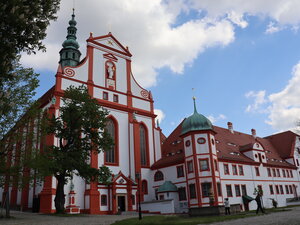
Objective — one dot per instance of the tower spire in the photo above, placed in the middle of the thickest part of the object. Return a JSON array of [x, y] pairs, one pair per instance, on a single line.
[[69, 54], [195, 108]]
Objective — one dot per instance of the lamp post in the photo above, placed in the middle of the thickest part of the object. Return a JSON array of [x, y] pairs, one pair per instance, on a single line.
[[138, 177]]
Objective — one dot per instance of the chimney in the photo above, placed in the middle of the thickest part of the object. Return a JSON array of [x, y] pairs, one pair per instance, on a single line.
[[253, 132], [230, 127]]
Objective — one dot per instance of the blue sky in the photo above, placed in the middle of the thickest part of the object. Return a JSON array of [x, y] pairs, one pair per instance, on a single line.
[[241, 60]]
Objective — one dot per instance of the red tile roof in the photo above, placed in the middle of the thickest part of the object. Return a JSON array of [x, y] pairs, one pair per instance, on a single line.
[[284, 148], [229, 146]]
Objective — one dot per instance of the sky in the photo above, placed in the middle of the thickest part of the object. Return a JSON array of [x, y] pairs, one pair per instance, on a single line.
[[240, 59]]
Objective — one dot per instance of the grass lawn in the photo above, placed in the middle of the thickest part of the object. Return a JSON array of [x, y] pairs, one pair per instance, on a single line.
[[186, 220]]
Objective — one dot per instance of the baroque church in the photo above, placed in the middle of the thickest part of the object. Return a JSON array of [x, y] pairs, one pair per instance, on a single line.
[[198, 165]]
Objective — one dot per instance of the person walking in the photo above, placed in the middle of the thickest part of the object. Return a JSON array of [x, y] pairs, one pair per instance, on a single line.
[[227, 206], [258, 201]]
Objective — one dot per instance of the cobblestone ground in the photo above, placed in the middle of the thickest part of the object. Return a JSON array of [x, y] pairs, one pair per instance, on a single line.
[[279, 218], [25, 218]]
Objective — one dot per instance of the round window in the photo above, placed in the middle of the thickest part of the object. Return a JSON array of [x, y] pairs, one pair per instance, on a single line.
[[187, 143], [255, 155], [201, 140]]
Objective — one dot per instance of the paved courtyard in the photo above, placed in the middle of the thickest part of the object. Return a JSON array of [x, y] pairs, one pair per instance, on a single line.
[[21, 218], [24, 218], [279, 218]]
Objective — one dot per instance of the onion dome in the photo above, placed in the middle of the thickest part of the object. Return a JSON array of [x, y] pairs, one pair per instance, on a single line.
[[196, 122], [69, 54]]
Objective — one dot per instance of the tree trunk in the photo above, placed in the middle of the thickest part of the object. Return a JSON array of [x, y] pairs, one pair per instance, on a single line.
[[60, 195]]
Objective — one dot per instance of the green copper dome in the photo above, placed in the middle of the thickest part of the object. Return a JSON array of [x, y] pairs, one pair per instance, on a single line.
[[167, 187], [69, 54], [196, 122]]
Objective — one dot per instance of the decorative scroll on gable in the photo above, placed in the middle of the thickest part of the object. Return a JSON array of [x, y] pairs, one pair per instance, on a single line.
[[69, 72]]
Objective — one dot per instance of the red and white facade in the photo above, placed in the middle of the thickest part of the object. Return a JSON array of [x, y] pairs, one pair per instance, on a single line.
[[205, 166]]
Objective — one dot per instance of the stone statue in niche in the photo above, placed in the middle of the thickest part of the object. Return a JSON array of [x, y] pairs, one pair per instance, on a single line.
[[110, 70]]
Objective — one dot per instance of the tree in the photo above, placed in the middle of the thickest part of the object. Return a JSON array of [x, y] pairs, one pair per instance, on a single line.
[[16, 150], [80, 131], [15, 98], [16, 95], [23, 27]]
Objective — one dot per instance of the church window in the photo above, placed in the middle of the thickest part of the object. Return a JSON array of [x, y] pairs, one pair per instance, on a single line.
[[219, 189], [237, 190], [105, 95], [111, 153], [244, 189], [104, 200], [180, 172], [226, 169], [278, 172], [241, 170], [206, 189], [204, 165], [274, 172], [144, 187], [190, 167], [181, 194], [228, 190], [287, 189], [133, 199], [158, 176], [281, 189], [143, 146], [73, 55], [269, 172], [116, 98], [192, 189], [277, 189], [201, 140], [234, 170]]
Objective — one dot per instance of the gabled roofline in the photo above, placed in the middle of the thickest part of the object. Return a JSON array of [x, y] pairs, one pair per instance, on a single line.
[[93, 40]]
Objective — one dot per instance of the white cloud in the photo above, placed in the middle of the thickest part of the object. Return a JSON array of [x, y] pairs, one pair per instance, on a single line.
[[237, 19], [160, 115], [283, 12], [147, 27], [151, 31], [272, 28], [259, 100], [285, 105], [214, 119]]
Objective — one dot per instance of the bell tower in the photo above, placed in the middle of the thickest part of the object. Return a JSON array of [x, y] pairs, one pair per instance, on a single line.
[[69, 54], [200, 160]]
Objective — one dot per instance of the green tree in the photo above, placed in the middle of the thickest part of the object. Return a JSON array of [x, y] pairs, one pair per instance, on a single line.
[[15, 98], [16, 95], [23, 27], [80, 131]]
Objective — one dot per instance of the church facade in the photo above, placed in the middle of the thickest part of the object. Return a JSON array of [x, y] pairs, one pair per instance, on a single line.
[[198, 165]]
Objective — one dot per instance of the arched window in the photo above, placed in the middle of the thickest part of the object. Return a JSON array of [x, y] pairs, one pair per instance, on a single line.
[[111, 153], [144, 187], [143, 145], [158, 176]]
